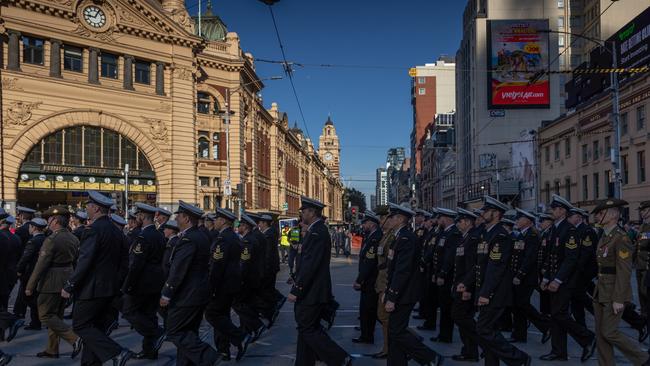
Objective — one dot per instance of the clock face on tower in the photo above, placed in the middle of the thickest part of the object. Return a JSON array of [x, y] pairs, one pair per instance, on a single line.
[[329, 156], [94, 16]]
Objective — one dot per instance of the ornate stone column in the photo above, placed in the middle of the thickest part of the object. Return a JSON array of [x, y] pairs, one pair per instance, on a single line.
[[160, 78], [128, 72], [13, 62], [93, 66], [55, 58]]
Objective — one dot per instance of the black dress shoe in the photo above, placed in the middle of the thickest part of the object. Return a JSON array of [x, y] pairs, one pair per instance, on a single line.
[[347, 361], [14, 329], [114, 325], [440, 340], [46, 355], [516, 340], [77, 347], [257, 333], [546, 336], [463, 358], [418, 317], [363, 340], [379, 355], [160, 340], [436, 361], [529, 360], [588, 351], [122, 358], [242, 347], [425, 327], [33, 327], [5, 359], [225, 356], [553, 357], [146, 355]]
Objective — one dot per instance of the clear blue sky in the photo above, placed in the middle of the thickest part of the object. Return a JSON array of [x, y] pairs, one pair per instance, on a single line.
[[370, 107]]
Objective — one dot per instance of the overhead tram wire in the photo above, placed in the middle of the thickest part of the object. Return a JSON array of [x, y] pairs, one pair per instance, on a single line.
[[289, 71]]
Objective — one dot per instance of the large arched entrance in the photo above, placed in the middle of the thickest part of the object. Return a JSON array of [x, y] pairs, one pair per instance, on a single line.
[[63, 165]]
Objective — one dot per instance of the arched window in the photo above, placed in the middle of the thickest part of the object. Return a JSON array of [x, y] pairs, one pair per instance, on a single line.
[[206, 202], [203, 103], [203, 148]]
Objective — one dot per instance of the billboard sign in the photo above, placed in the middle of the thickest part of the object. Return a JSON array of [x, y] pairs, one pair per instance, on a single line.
[[633, 42], [516, 52]]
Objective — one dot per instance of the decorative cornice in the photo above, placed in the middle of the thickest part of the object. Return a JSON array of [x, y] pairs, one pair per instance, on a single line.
[[219, 65]]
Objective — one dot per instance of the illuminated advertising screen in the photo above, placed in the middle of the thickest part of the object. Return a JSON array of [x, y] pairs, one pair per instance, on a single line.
[[517, 51]]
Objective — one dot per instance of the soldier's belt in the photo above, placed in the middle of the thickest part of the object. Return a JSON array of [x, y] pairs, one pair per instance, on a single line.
[[607, 270], [58, 265]]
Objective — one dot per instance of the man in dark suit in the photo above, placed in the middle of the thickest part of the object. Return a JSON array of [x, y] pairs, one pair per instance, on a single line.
[[560, 277], [403, 291], [161, 217], [95, 282], [587, 265], [312, 291], [26, 265], [494, 288], [78, 223], [365, 282], [144, 281], [274, 299], [23, 216], [14, 252], [224, 286], [185, 293], [524, 268]]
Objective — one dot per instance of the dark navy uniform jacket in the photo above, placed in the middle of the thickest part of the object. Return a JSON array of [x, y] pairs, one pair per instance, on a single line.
[[524, 257], [30, 256], [446, 245], [563, 252], [225, 268], [404, 281], [145, 274], [187, 283], [587, 264], [313, 284], [465, 261], [496, 277], [368, 261]]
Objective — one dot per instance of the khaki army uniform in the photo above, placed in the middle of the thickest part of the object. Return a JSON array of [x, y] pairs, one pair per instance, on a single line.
[[52, 270], [641, 264], [614, 256], [382, 281]]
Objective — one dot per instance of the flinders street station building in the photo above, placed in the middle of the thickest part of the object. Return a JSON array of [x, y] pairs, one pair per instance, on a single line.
[[90, 86]]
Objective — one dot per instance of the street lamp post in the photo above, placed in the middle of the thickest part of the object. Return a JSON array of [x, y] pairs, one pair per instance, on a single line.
[[126, 191], [615, 153]]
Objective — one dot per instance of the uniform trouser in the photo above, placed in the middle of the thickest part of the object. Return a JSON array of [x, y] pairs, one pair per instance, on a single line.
[[383, 317], [7, 319], [245, 305], [50, 309], [113, 312], [562, 323], [446, 322], [609, 336], [140, 311], [429, 303], [544, 302], [368, 313], [89, 322], [313, 341], [495, 346], [462, 312], [23, 302], [182, 326], [269, 297], [634, 319], [402, 343], [581, 300], [217, 313], [292, 259], [642, 291], [522, 311]]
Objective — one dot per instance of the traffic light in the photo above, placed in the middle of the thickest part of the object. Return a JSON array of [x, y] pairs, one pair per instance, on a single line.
[[355, 213]]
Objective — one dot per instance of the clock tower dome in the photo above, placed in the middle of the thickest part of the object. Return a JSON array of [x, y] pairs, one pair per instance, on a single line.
[[329, 150]]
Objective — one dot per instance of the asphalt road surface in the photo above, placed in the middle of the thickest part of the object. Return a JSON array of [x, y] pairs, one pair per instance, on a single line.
[[277, 346]]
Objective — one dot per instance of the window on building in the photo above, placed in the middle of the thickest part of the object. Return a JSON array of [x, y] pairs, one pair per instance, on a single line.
[[422, 91], [109, 66], [560, 23], [623, 121], [585, 188], [557, 187], [92, 146], [567, 188], [217, 183], [422, 80], [203, 148], [33, 50], [547, 189], [142, 72], [624, 169], [129, 153], [609, 185], [567, 147], [640, 118], [204, 181], [73, 58], [215, 150], [206, 202], [596, 182], [34, 155], [73, 145], [547, 154], [640, 167], [596, 150], [556, 150], [560, 41], [111, 149], [202, 103], [53, 148], [585, 154], [607, 151]]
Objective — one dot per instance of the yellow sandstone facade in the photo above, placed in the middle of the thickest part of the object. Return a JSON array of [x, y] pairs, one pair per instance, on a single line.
[[90, 86]]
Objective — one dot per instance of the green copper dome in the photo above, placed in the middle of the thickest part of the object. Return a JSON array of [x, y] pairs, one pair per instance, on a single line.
[[212, 28]]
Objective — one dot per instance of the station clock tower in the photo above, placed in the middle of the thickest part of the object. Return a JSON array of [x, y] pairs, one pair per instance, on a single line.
[[329, 149]]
